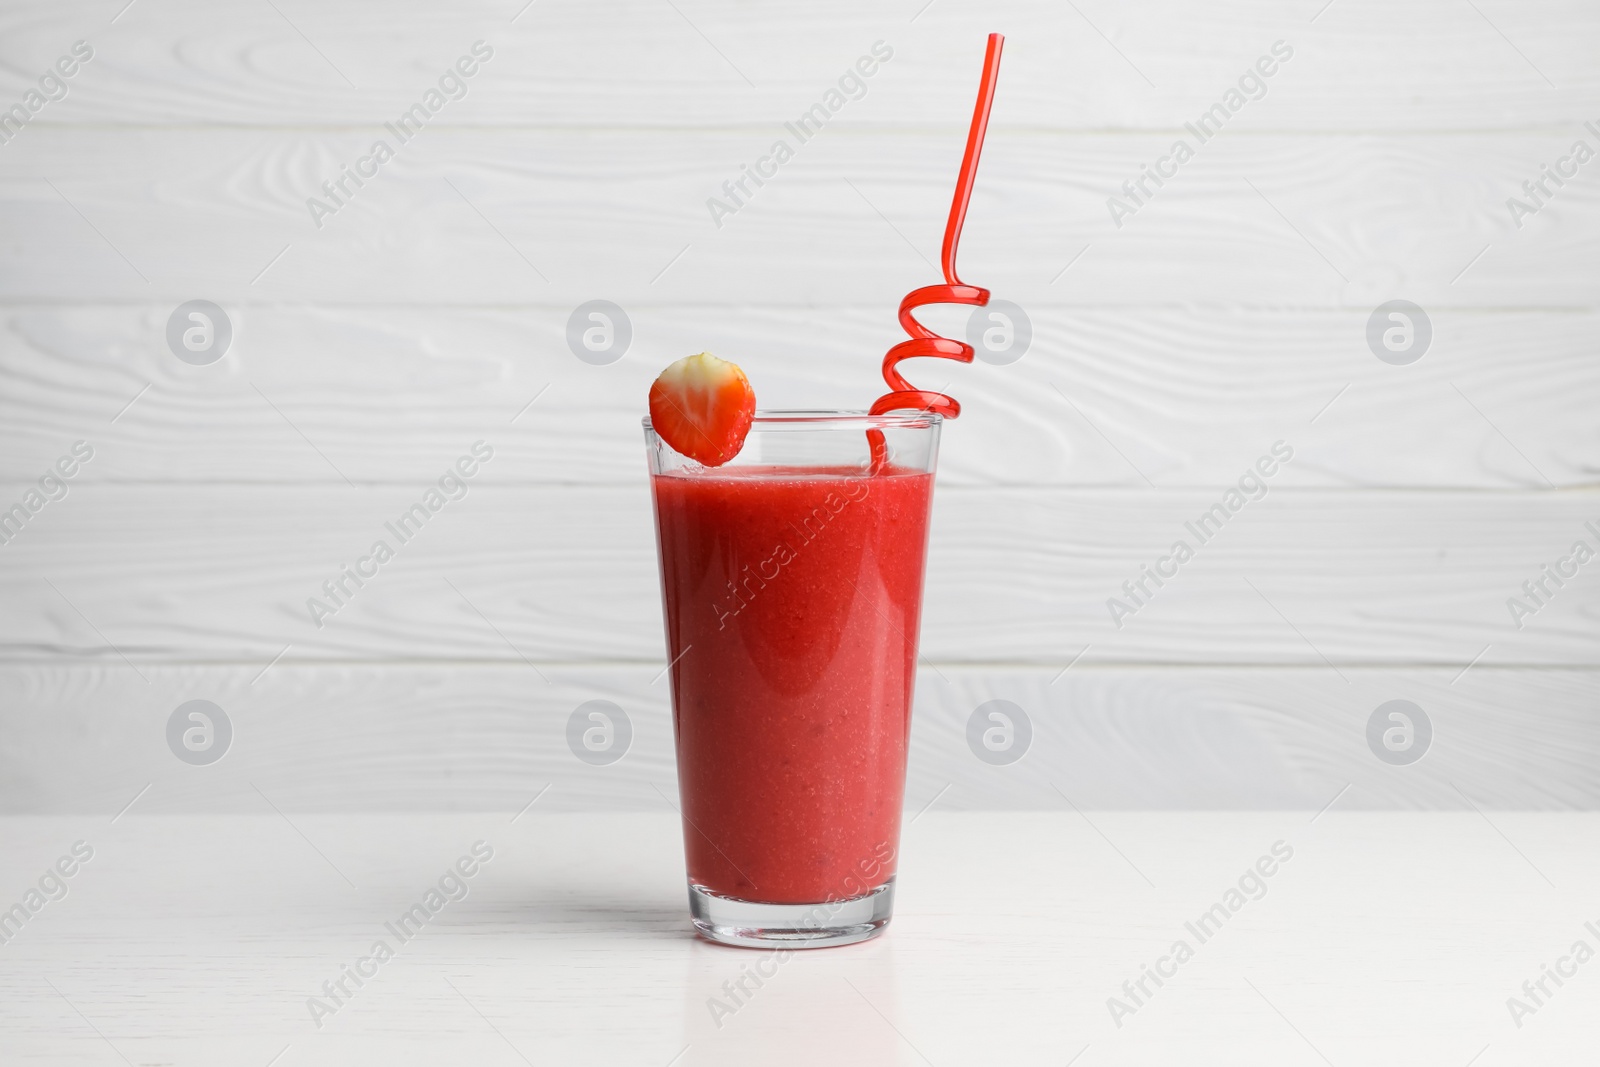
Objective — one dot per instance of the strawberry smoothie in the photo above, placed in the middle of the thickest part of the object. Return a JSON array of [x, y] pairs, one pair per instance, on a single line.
[[792, 585], [792, 599]]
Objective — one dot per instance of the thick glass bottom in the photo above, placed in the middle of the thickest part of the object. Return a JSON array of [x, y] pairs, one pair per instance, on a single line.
[[751, 924]]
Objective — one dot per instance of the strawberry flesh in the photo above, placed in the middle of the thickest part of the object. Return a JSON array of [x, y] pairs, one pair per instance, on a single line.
[[703, 406]]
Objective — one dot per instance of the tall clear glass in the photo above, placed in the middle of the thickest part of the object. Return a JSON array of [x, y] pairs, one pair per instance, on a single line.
[[791, 581]]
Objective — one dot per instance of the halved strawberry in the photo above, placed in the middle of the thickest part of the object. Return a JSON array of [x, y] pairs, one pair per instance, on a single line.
[[702, 406]]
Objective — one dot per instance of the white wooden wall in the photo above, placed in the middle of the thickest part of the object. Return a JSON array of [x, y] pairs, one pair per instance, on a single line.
[[1227, 314]]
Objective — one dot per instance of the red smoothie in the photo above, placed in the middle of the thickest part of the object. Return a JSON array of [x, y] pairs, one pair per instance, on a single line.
[[792, 599]]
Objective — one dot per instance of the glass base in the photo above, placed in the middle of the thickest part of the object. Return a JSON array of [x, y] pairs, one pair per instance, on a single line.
[[750, 924]]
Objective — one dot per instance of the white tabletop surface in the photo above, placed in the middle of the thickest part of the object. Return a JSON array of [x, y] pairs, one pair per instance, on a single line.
[[1387, 938]]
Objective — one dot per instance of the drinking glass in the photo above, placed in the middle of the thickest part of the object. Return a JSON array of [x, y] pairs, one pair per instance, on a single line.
[[791, 583]]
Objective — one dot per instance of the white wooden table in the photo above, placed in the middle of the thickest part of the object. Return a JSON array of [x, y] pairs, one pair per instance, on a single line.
[[1387, 938]]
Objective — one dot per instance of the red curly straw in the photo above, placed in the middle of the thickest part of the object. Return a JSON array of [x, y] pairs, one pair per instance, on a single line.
[[924, 342]]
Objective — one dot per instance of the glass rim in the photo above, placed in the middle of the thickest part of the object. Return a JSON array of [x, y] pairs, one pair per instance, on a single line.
[[778, 418]]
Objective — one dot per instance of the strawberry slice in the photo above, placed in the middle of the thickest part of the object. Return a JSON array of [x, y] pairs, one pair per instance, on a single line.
[[702, 406]]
